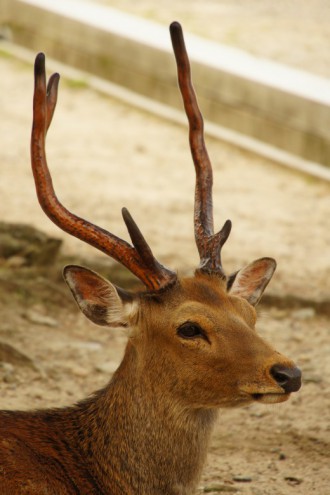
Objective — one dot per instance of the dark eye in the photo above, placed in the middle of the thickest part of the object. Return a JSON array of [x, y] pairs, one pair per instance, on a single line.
[[190, 330]]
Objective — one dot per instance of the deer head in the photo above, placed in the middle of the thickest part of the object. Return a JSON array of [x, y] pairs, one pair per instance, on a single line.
[[193, 338]]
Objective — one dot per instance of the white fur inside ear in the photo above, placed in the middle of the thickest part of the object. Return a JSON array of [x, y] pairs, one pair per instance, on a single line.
[[251, 281], [120, 313]]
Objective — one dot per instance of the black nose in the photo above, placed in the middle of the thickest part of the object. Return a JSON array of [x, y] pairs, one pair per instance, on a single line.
[[287, 378]]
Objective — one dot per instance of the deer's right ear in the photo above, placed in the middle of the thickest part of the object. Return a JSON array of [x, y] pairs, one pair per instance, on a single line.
[[251, 281], [97, 298]]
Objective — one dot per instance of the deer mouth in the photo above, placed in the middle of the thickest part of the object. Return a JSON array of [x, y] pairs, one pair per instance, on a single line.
[[270, 398]]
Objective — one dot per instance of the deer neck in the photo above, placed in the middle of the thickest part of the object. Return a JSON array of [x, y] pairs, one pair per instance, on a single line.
[[140, 436]]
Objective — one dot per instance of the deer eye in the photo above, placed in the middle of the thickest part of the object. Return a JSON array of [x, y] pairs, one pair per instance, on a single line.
[[190, 330]]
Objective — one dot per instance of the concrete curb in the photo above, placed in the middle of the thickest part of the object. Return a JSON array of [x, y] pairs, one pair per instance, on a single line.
[[270, 109]]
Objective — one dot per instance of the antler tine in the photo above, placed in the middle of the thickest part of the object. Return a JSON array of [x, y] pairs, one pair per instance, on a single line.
[[143, 248], [209, 244], [51, 100], [138, 260], [137, 238]]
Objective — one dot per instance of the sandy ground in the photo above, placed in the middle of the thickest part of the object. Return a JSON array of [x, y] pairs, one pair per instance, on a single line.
[[104, 155]]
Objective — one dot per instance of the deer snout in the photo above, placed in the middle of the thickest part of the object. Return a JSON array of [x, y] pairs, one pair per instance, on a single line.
[[287, 378]]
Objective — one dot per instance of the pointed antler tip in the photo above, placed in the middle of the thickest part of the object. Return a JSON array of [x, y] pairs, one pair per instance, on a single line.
[[129, 221], [132, 227], [125, 213], [227, 226], [176, 34], [39, 63], [175, 26], [53, 82], [225, 231], [40, 56]]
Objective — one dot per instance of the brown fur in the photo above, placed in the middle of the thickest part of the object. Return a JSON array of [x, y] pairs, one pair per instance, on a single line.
[[147, 431]]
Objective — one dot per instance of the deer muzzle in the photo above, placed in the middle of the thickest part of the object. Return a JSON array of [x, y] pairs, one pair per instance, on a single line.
[[287, 378]]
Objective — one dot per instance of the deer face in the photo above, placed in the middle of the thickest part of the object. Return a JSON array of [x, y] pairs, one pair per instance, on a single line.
[[204, 342], [197, 339]]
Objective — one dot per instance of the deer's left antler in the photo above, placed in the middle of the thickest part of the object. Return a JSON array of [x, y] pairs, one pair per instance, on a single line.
[[209, 244]]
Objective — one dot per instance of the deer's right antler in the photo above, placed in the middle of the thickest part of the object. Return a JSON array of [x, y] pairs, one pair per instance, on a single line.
[[138, 259], [209, 244]]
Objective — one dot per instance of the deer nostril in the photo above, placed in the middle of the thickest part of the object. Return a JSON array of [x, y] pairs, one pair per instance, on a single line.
[[287, 378]]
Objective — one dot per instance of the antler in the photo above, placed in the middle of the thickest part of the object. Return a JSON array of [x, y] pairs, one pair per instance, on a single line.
[[138, 259], [209, 244]]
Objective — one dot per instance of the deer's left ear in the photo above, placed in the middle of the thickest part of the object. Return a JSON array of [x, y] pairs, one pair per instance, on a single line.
[[99, 300], [251, 281]]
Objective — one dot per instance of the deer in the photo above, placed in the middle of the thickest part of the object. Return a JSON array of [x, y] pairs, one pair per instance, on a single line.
[[192, 347]]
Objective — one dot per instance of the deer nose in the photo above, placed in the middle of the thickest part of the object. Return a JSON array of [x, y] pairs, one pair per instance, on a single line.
[[287, 378]]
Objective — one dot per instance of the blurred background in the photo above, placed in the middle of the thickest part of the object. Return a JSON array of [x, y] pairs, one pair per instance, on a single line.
[[294, 33], [119, 138], [260, 71]]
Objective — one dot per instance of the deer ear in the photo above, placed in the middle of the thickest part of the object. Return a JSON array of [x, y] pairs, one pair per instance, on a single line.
[[251, 281], [98, 299]]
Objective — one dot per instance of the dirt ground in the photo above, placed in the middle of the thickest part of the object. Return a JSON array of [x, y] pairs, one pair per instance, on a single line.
[[105, 155]]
